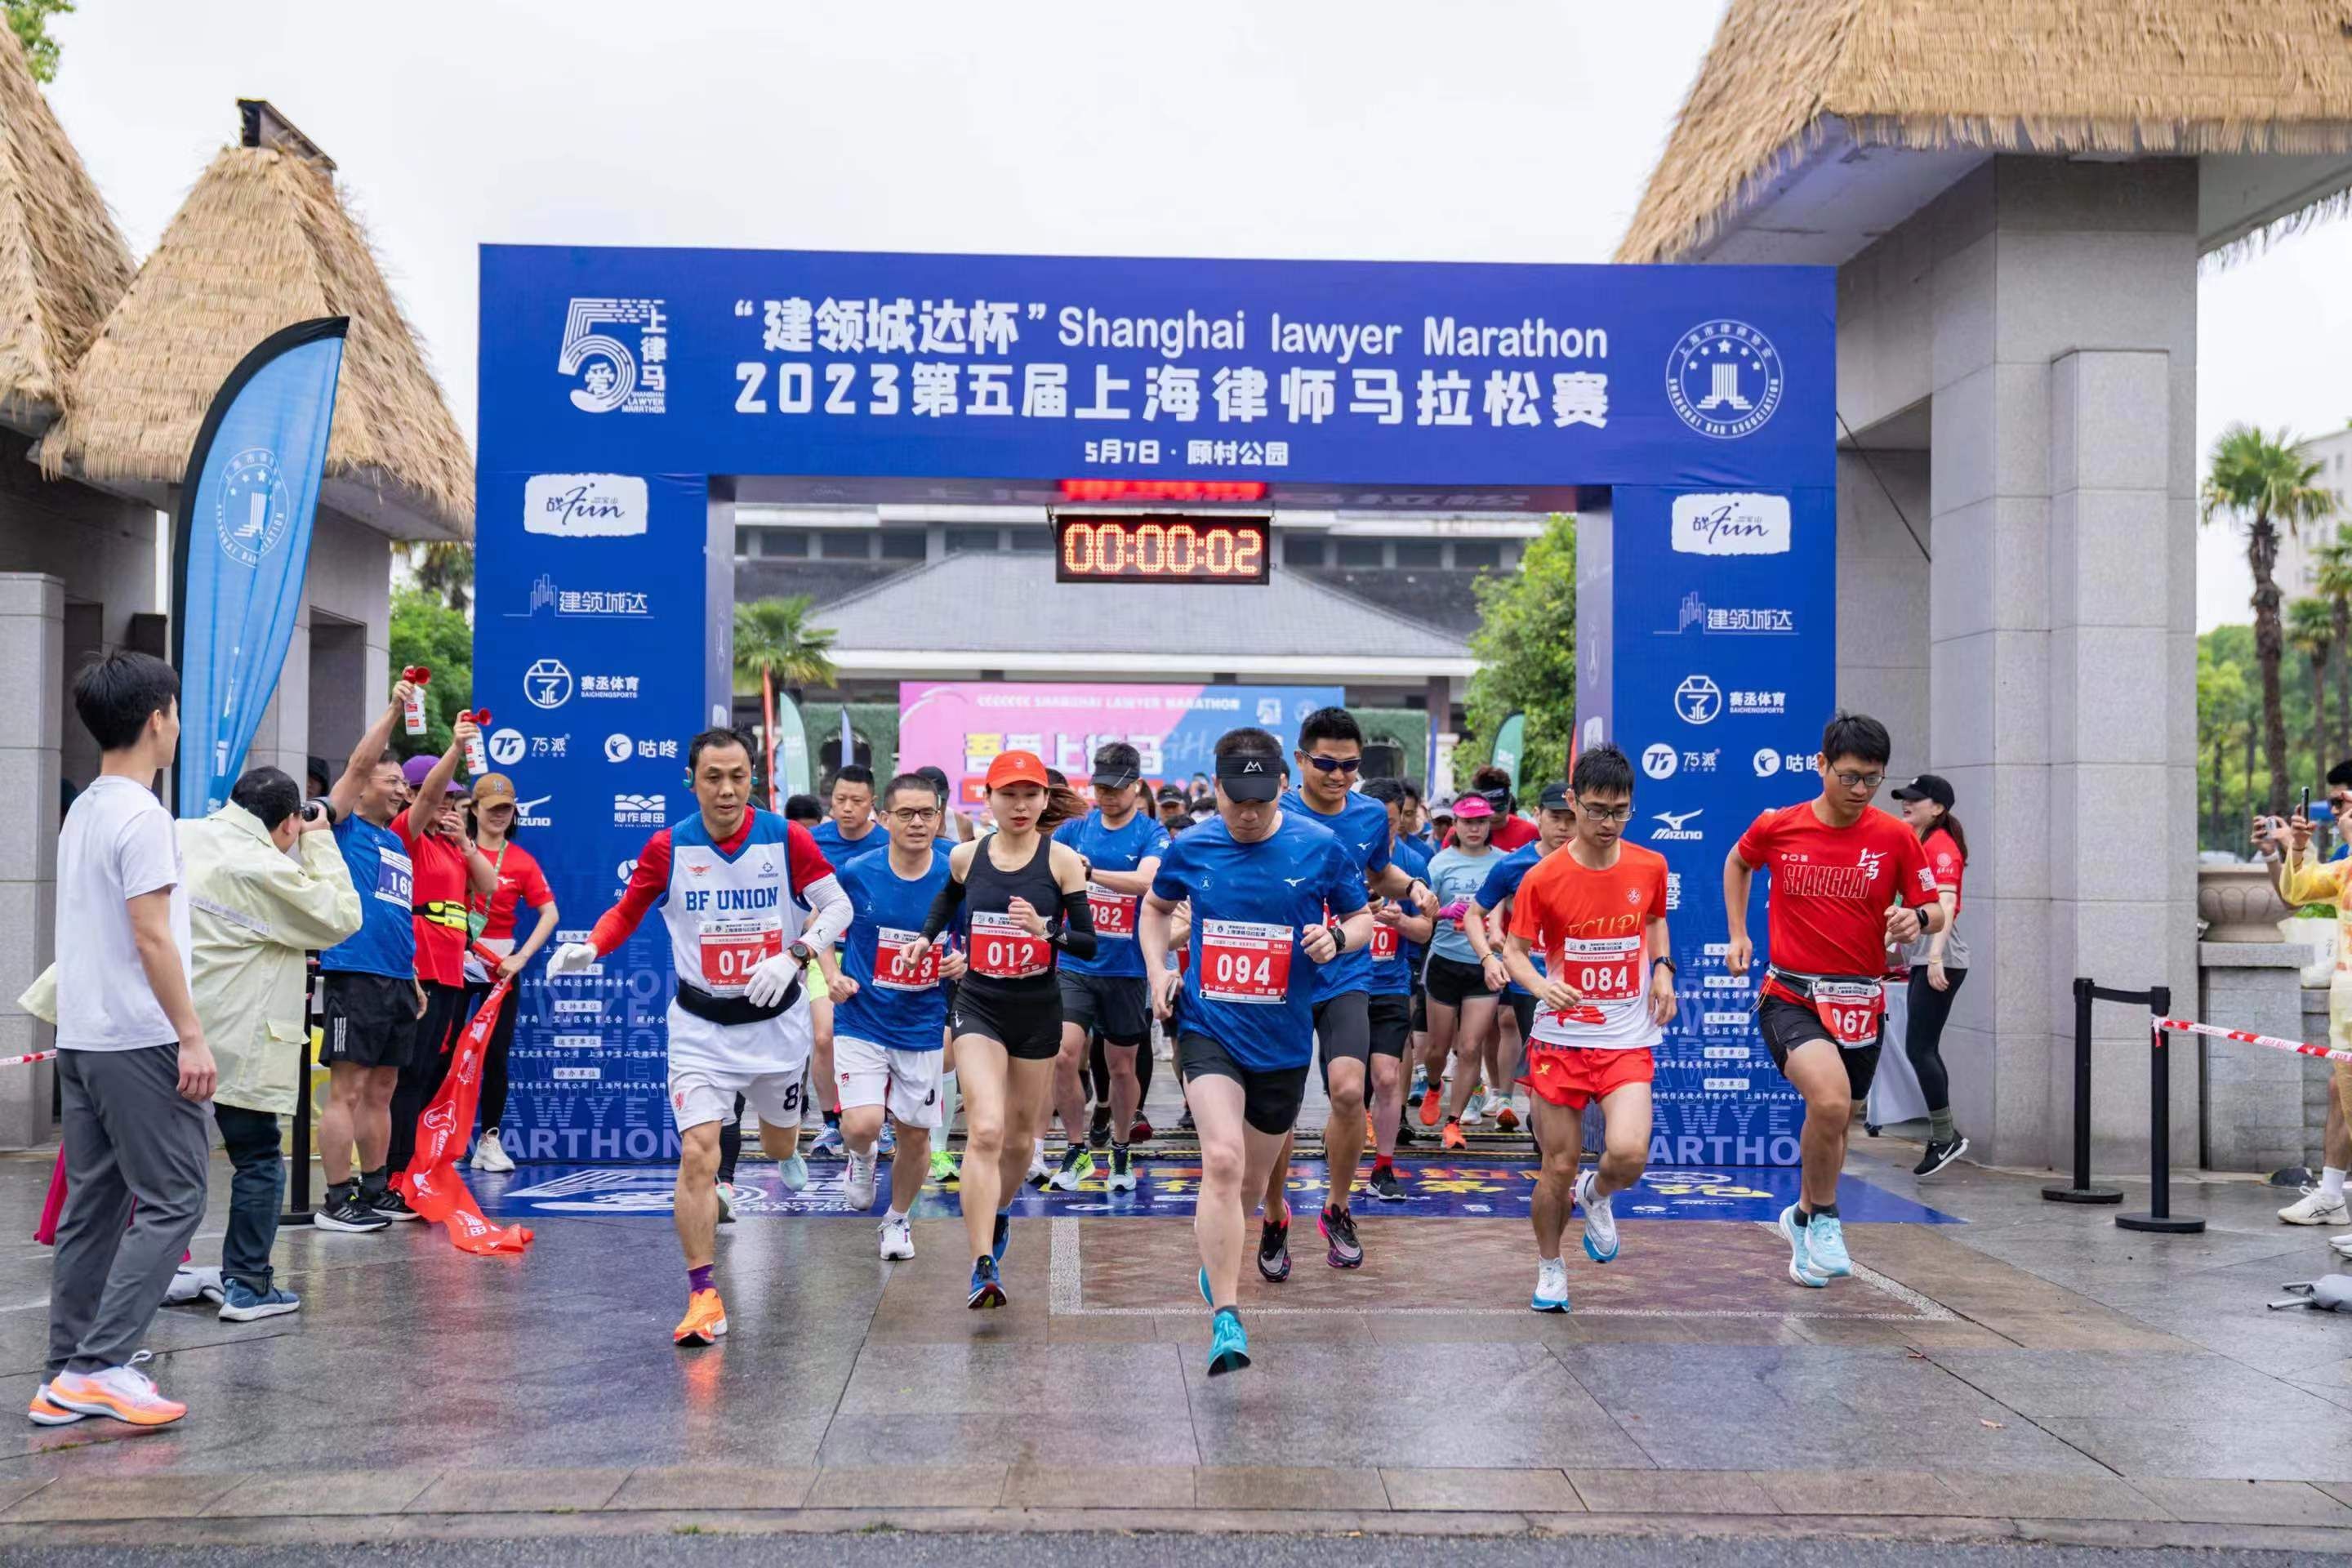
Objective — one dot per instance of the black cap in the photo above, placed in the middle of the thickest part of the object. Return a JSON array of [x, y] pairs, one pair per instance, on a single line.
[[1928, 786], [1555, 797], [1117, 765], [1170, 793], [1251, 778]]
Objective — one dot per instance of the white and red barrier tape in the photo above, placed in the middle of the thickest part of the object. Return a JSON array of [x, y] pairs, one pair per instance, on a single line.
[[2186, 1026], [23, 1061]]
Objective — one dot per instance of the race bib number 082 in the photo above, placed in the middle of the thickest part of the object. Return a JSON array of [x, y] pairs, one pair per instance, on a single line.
[[1114, 914], [1244, 961]]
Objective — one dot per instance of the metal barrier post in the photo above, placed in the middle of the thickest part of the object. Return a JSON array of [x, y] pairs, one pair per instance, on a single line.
[[2159, 1218], [298, 1207], [2082, 1192]]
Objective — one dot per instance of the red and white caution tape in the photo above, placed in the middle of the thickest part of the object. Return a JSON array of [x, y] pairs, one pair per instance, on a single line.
[[23, 1061], [2186, 1026]]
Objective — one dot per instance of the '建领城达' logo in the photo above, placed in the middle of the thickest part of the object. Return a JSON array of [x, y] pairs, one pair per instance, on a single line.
[[584, 506], [252, 511], [1731, 525], [1723, 378], [619, 350]]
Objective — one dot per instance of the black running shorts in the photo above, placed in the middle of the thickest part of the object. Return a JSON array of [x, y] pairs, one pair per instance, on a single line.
[[1788, 1024], [1116, 1009], [1451, 984], [1343, 1030], [1270, 1098], [1389, 1019], [370, 1020], [1027, 1025], [1523, 1007]]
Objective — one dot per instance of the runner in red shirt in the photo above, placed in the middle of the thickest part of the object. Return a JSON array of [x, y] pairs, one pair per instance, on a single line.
[[1596, 910], [1842, 876]]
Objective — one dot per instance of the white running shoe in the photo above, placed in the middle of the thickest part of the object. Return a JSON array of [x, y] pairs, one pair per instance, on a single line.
[[1475, 1111], [2342, 1244], [726, 1202], [1551, 1286], [1040, 1173], [858, 1181], [490, 1154], [2315, 1208], [898, 1237], [1600, 1219]]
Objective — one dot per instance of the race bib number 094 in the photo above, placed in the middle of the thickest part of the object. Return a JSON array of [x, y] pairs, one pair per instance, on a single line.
[[1244, 961]]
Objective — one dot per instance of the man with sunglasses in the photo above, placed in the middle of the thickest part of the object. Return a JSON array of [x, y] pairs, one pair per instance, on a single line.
[[1330, 757], [1848, 883]]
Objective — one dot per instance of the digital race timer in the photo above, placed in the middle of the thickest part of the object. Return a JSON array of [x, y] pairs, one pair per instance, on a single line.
[[1162, 547]]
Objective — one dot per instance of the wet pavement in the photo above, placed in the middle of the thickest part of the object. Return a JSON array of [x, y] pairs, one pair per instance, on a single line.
[[2032, 1373]]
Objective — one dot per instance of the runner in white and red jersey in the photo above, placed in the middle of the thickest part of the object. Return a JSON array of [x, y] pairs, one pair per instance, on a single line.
[[1596, 912], [1847, 883], [748, 901]]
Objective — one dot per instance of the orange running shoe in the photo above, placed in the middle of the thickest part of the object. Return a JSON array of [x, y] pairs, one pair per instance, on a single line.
[[704, 1319], [43, 1412], [1506, 1117], [1452, 1138], [122, 1392], [1431, 1104]]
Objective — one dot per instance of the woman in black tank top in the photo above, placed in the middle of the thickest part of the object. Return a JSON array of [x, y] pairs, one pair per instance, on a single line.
[[1019, 897]]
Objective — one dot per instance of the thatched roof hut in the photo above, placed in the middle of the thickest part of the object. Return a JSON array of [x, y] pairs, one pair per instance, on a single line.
[[1789, 82], [264, 241], [63, 264]]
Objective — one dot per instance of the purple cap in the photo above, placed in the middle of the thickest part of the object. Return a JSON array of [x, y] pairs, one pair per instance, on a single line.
[[416, 768]]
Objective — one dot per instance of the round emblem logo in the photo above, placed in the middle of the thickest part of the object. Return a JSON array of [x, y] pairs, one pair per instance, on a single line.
[[1724, 379], [253, 509]]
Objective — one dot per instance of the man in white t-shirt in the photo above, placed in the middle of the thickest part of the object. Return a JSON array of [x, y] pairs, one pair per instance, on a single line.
[[133, 1070]]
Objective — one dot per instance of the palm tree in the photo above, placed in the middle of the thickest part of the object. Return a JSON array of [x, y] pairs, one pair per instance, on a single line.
[[2311, 632], [2221, 699], [443, 566], [773, 641], [2263, 482], [2335, 585]]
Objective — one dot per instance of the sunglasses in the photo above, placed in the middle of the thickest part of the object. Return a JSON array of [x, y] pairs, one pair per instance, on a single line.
[[1335, 764]]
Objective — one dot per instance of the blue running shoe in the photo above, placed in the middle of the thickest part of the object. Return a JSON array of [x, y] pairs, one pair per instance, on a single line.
[[1228, 1343], [792, 1172], [1003, 1237], [987, 1290], [1800, 1262], [1826, 1240]]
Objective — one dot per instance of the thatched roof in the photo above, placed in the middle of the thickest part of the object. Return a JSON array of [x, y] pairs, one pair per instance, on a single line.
[[262, 242], [63, 264], [2132, 77]]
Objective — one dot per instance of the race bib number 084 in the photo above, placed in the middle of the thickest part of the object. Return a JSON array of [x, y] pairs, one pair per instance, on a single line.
[[1605, 969]]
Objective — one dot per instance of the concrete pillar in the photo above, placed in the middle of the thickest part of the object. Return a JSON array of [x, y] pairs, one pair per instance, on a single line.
[[2253, 1107], [2060, 612], [32, 650], [1882, 588]]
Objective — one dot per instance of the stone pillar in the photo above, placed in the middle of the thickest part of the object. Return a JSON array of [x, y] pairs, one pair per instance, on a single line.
[[32, 650], [1881, 597], [2253, 1095]]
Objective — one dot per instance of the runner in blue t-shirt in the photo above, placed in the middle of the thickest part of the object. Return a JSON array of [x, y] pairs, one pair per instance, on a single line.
[[890, 1015], [1398, 937], [847, 831], [1331, 754], [1105, 997], [1485, 925], [1273, 897]]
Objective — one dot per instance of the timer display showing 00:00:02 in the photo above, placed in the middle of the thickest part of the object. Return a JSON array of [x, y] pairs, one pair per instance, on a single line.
[[1153, 551]]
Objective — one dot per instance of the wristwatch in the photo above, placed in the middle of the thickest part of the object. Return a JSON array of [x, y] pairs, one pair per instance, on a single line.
[[1671, 967], [1338, 937], [803, 954]]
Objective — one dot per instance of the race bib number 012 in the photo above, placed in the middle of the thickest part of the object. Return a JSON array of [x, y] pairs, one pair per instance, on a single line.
[[1003, 950], [1114, 912], [1244, 961], [892, 969], [732, 949]]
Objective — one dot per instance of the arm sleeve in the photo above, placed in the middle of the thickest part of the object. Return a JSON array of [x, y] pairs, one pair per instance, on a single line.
[[829, 911], [944, 904], [1500, 884], [1074, 934], [648, 885]]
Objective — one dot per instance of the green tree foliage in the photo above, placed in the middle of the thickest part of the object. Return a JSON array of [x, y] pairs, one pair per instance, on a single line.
[[426, 631], [445, 567], [1526, 644], [29, 20], [2232, 776], [775, 637]]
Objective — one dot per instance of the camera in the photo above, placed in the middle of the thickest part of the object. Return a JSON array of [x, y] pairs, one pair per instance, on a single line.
[[317, 811]]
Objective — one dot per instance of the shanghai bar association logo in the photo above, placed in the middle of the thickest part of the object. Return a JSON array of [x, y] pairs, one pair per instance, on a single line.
[[1724, 379]]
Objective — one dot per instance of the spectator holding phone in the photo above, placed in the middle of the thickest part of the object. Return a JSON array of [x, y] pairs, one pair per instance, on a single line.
[[2306, 879], [494, 918]]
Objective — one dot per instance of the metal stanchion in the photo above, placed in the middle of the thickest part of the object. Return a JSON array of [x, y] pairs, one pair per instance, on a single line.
[[2159, 1218], [298, 1207], [2082, 1192]]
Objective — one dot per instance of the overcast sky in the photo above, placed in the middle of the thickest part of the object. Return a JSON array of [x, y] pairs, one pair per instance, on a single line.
[[1497, 131]]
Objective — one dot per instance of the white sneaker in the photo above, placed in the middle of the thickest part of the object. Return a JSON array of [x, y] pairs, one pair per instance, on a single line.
[[1600, 1219], [726, 1203], [898, 1237], [858, 1181], [1475, 1111], [490, 1154], [2315, 1208], [1551, 1286], [2342, 1244], [1040, 1173]]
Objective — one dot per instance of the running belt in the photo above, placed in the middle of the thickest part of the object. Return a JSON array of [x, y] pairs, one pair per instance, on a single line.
[[733, 1010]]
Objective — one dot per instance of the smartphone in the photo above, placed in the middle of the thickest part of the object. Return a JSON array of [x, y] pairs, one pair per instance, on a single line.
[[2306, 810]]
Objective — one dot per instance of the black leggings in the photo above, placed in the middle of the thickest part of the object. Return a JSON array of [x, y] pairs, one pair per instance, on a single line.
[[1099, 1068], [427, 1065], [1922, 1038], [493, 1110]]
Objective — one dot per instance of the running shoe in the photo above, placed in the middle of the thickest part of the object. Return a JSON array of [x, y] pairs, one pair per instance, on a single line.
[[827, 1142], [124, 1392], [858, 1181], [888, 1142], [2313, 1208], [2342, 1244], [898, 1237], [490, 1154], [726, 1191], [1405, 1136], [793, 1172], [1003, 1237], [1505, 1119], [1339, 1228], [1184, 1121], [1419, 1083], [1040, 1173], [704, 1319], [1122, 1169], [1077, 1164], [987, 1290], [1452, 1137], [47, 1412], [1473, 1110], [1098, 1128], [1141, 1132], [343, 1211], [1600, 1219], [1228, 1343], [1551, 1286], [1432, 1104], [1385, 1185], [1936, 1156], [1826, 1240], [943, 1166], [241, 1303], [391, 1205], [1274, 1250], [1800, 1261]]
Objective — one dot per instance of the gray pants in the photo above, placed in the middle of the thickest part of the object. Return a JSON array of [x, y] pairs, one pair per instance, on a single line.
[[135, 1165]]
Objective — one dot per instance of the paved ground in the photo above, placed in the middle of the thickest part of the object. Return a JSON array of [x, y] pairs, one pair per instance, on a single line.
[[2033, 1375]]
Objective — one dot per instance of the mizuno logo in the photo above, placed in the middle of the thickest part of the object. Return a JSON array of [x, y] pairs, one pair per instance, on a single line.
[[1293, 881], [1674, 819]]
